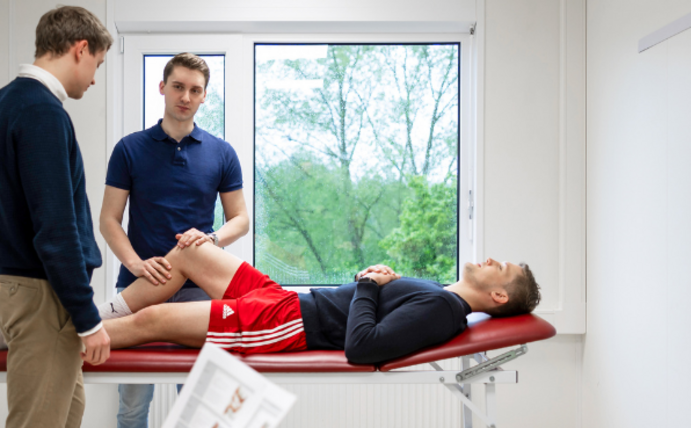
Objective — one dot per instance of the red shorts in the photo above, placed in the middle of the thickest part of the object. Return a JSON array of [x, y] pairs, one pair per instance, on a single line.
[[256, 316]]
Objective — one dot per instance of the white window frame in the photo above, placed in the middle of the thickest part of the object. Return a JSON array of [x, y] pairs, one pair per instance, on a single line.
[[239, 109], [466, 246], [132, 100]]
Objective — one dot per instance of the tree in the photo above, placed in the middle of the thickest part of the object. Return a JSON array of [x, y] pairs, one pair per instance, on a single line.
[[333, 163], [425, 243], [211, 114]]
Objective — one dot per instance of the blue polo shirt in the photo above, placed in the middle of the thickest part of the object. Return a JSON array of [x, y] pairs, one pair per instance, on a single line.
[[173, 187]]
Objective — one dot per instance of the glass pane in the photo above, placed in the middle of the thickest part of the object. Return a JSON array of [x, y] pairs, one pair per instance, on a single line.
[[210, 116], [356, 160]]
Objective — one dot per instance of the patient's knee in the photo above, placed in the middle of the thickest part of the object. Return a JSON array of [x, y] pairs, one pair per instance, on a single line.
[[183, 258], [148, 318], [175, 254]]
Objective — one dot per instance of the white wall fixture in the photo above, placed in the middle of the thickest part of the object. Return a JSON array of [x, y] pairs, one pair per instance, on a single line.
[[664, 33], [295, 16]]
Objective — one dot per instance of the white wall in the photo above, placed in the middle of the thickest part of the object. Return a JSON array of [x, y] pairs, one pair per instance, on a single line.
[[89, 118], [524, 68], [548, 394], [4, 79], [635, 369], [534, 147], [521, 134], [4, 41]]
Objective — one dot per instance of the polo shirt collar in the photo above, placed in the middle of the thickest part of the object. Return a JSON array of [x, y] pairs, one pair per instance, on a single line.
[[196, 133], [157, 133]]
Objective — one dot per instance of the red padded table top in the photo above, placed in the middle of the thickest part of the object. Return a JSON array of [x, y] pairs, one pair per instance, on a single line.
[[493, 333], [166, 357]]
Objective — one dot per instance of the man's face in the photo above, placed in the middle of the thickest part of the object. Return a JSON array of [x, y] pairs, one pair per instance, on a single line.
[[491, 274], [183, 92], [85, 72]]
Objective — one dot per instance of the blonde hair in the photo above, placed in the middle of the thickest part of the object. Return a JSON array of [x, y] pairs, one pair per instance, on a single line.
[[60, 28]]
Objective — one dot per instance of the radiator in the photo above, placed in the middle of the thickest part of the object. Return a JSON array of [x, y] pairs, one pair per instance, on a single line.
[[164, 398], [355, 406]]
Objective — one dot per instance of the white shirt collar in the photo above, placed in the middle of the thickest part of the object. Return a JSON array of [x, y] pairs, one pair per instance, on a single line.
[[51, 82]]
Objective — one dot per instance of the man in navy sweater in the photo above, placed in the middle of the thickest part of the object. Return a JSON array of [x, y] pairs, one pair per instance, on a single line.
[[47, 246], [379, 317]]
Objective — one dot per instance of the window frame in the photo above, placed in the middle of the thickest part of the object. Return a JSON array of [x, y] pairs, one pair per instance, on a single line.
[[460, 167], [239, 110], [132, 62], [466, 245]]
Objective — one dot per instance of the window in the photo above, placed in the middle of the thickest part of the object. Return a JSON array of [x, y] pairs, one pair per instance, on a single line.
[[356, 160]]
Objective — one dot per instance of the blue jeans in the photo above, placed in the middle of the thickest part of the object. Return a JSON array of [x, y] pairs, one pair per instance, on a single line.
[[135, 400]]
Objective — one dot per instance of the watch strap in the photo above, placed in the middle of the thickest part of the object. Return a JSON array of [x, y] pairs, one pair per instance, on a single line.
[[214, 237]]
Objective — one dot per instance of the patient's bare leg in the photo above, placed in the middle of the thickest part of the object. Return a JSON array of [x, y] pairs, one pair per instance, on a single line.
[[208, 266], [183, 323]]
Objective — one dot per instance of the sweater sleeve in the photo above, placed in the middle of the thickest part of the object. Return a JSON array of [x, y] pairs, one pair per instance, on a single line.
[[43, 149], [422, 321]]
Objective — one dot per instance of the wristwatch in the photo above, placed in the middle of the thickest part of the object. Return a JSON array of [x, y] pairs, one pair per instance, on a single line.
[[367, 280], [213, 236]]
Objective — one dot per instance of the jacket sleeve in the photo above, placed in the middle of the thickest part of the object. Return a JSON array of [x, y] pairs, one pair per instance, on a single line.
[[43, 150], [420, 322]]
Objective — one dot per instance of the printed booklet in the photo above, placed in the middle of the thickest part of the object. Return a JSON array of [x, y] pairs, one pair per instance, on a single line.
[[223, 392]]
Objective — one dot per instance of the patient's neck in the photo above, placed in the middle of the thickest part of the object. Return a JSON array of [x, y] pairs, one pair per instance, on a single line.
[[468, 293]]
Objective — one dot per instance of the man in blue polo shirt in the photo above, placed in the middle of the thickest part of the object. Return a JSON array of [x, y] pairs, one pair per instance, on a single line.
[[172, 174]]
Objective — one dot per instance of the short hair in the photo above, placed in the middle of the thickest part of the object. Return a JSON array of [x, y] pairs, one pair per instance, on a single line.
[[187, 60], [524, 295], [60, 28]]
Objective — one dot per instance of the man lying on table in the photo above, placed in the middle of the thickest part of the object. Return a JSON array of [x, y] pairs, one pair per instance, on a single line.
[[380, 317]]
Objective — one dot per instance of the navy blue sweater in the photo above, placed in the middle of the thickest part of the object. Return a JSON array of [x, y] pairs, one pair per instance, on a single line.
[[45, 221], [375, 324]]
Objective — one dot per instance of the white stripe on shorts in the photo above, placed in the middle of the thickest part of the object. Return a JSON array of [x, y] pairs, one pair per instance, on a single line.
[[284, 336], [255, 339], [255, 333]]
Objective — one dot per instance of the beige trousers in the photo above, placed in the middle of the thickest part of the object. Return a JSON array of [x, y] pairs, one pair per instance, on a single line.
[[44, 370]]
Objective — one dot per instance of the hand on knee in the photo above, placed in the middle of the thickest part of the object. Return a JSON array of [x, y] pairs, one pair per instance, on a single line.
[[183, 258]]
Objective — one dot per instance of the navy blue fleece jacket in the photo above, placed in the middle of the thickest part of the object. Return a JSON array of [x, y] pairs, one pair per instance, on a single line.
[[378, 323]]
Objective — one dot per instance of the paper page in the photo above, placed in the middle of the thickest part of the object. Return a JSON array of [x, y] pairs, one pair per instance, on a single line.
[[223, 392]]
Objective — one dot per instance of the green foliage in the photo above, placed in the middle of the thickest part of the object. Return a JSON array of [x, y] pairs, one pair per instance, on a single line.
[[211, 115], [211, 118], [219, 216], [360, 170], [424, 245], [305, 218]]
